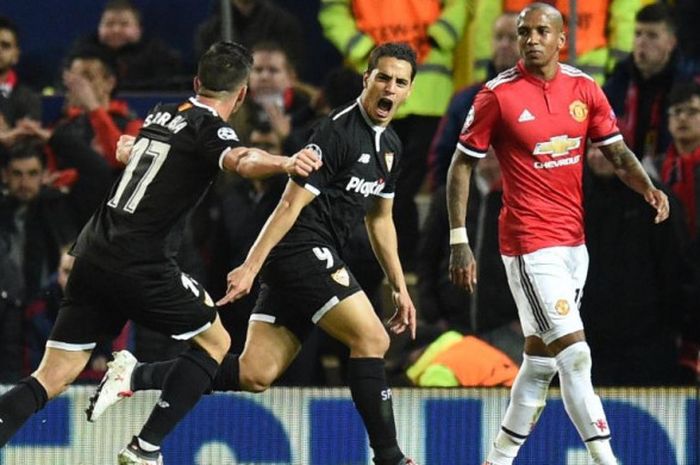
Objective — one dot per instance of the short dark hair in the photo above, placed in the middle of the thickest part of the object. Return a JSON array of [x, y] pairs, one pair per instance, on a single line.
[[9, 25], [92, 52], [273, 46], [24, 149], [224, 66], [398, 50], [683, 92], [122, 5], [657, 13]]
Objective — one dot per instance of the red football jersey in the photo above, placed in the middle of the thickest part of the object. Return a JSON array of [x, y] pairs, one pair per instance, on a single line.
[[538, 130]]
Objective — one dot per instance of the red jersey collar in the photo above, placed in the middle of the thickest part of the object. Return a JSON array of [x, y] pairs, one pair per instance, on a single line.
[[536, 79]]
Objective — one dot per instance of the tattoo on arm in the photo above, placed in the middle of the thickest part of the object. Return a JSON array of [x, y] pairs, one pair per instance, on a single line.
[[618, 154], [627, 166]]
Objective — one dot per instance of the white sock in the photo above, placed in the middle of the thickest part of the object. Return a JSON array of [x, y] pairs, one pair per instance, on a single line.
[[582, 404], [527, 399], [147, 446]]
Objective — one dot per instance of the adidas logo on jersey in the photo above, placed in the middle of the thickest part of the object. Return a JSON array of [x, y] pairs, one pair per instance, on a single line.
[[365, 187], [525, 116], [364, 158]]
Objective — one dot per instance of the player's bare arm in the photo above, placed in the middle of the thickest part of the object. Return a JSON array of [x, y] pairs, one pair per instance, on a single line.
[[462, 262], [630, 171], [281, 220], [255, 163], [382, 237]]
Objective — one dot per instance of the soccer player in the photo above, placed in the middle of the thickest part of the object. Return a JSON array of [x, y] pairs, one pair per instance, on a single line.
[[125, 255], [537, 116], [304, 279]]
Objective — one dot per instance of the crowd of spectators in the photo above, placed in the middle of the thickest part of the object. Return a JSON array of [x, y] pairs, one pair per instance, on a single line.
[[640, 300]]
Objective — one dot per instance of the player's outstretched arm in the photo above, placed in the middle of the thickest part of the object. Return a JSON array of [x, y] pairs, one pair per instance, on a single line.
[[256, 163], [382, 236], [240, 280], [462, 263], [631, 172]]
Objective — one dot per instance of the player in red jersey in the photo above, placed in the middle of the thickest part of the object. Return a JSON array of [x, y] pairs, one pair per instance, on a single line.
[[538, 117]]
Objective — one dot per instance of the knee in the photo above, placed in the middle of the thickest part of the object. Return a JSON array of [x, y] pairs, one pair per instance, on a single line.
[[575, 359], [541, 369], [254, 377], [371, 344]]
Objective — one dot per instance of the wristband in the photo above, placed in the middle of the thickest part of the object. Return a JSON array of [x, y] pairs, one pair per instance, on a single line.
[[458, 236]]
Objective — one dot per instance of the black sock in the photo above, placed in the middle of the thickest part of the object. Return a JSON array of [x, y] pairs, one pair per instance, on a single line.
[[189, 377], [152, 375], [18, 404], [372, 398], [227, 376]]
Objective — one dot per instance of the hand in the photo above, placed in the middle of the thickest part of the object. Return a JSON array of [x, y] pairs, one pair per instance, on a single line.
[[405, 315], [30, 127], [124, 146], [462, 267], [657, 199], [9, 137], [302, 163], [281, 122], [79, 91], [240, 280]]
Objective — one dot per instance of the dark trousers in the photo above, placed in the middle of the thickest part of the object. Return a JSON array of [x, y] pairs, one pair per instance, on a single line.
[[416, 134]]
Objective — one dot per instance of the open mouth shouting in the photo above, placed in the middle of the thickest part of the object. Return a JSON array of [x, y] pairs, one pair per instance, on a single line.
[[384, 106]]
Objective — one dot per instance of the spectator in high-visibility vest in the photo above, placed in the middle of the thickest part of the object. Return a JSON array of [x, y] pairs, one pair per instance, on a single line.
[[604, 32], [432, 28]]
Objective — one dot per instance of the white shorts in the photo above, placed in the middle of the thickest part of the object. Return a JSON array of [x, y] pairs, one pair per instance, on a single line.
[[547, 286]]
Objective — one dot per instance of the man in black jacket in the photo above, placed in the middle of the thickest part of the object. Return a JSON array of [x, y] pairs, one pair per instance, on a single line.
[[17, 101], [35, 221]]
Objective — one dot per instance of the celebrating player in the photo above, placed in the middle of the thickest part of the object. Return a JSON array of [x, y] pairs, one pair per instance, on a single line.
[[298, 254], [125, 256], [538, 116]]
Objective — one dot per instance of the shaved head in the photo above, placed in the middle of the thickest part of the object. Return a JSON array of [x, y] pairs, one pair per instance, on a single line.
[[554, 15]]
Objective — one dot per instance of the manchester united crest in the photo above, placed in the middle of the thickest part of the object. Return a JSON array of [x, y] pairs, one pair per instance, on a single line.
[[389, 159], [341, 277], [578, 111], [562, 307]]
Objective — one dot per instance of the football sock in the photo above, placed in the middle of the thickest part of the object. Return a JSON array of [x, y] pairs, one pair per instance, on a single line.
[[227, 377], [151, 375], [18, 404], [527, 399], [189, 377], [582, 404], [372, 398]]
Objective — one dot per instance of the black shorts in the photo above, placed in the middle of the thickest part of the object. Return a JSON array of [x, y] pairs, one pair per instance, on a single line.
[[98, 302], [298, 290]]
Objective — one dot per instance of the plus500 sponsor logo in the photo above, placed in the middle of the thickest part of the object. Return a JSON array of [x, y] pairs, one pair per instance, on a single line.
[[321, 427], [366, 188]]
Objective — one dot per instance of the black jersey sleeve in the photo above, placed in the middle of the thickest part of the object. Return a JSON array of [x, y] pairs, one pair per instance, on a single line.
[[330, 146], [215, 138]]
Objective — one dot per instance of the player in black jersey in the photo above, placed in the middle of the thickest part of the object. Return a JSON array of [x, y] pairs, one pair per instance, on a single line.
[[298, 254], [125, 255]]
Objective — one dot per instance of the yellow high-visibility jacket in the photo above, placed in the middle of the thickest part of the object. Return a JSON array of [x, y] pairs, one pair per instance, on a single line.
[[604, 34], [432, 27]]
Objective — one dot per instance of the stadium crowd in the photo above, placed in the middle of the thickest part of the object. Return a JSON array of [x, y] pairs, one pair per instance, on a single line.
[[640, 303]]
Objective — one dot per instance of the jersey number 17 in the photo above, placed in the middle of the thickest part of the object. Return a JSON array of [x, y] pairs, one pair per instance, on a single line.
[[147, 157]]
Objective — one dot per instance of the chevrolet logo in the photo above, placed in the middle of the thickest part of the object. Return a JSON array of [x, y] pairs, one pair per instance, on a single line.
[[557, 146]]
